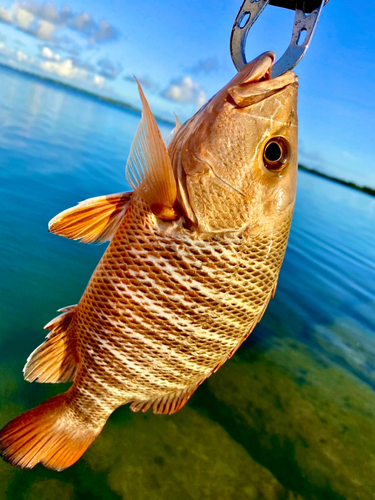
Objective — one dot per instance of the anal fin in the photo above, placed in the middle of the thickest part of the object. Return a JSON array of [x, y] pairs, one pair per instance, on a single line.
[[94, 220], [56, 359], [168, 404]]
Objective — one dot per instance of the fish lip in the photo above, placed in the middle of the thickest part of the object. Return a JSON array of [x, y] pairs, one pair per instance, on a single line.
[[249, 93], [287, 78], [262, 69]]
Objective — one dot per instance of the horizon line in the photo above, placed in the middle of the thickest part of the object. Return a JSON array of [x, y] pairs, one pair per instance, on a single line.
[[129, 107], [91, 93]]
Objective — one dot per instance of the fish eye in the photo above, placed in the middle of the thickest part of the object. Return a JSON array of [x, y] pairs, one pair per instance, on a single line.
[[276, 154]]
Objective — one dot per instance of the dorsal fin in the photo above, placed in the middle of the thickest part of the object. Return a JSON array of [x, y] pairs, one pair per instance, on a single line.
[[92, 221], [174, 131], [148, 169], [178, 123]]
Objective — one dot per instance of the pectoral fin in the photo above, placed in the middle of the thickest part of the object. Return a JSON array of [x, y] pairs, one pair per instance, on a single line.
[[92, 221], [149, 170]]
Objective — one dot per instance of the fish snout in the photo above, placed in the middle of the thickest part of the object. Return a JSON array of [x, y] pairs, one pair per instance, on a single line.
[[254, 83]]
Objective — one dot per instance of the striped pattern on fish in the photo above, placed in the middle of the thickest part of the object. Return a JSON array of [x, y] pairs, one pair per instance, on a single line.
[[194, 257], [162, 310]]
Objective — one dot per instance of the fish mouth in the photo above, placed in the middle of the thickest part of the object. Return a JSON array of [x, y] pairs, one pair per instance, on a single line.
[[258, 70], [256, 83]]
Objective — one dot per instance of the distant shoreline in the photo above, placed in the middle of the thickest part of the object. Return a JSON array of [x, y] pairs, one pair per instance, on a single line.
[[134, 109], [352, 185], [121, 104]]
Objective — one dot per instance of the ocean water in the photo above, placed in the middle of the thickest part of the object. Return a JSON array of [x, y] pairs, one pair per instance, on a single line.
[[290, 416]]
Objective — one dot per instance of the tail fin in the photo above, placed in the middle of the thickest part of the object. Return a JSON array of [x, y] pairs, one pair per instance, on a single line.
[[50, 434]]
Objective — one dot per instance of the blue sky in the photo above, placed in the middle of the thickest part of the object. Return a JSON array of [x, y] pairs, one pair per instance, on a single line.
[[180, 52]]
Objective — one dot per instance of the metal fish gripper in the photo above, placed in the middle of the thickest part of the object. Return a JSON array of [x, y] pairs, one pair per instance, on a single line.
[[305, 21]]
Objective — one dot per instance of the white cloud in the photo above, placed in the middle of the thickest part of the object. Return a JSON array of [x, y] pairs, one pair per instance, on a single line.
[[5, 15], [22, 57], [68, 69], [83, 22], [7, 51], [48, 54], [46, 11], [185, 90], [98, 81], [75, 68], [15, 55], [23, 18], [71, 69], [42, 20], [65, 69], [44, 30]]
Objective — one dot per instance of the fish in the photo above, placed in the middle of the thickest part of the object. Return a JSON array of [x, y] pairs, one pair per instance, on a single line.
[[194, 257]]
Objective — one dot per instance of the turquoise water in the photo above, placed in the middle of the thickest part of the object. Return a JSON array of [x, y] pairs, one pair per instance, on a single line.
[[291, 416]]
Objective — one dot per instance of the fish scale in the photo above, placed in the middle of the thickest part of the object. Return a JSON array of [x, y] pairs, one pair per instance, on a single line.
[[185, 337], [194, 257]]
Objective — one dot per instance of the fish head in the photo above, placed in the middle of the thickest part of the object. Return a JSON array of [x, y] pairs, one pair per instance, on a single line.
[[236, 158]]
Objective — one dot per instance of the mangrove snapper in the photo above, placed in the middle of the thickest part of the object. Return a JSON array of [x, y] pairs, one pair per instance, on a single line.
[[194, 257]]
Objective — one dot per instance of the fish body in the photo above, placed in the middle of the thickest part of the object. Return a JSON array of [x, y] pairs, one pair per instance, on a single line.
[[193, 260]]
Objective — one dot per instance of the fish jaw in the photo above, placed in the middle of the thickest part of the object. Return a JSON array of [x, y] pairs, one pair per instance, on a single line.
[[218, 155]]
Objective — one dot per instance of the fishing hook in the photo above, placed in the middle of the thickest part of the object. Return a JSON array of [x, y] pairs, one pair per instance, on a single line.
[[305, 21]]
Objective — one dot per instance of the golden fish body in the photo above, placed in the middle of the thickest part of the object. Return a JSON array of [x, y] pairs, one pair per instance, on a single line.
[[193, 261], [163, 309]]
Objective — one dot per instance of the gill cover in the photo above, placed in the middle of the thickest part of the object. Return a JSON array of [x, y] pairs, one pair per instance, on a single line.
[[218, 155]]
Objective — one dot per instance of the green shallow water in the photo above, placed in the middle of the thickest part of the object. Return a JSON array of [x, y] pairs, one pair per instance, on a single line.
[[271, 424], [289, 417]]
